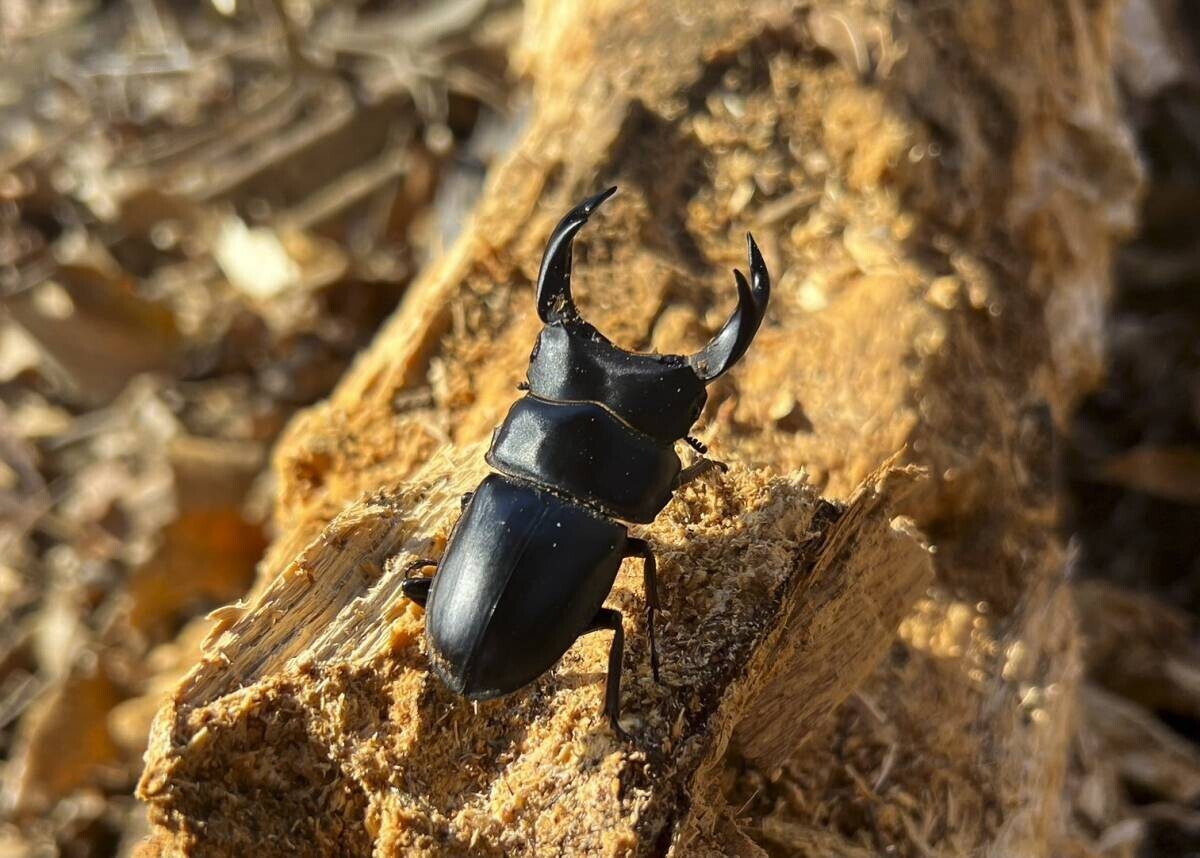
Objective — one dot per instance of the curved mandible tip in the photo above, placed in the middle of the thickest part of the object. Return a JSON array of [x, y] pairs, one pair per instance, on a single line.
[[554, 301], [731, 342]]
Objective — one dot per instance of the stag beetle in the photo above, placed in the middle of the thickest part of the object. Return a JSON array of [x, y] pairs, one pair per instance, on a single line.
[[591, 445]]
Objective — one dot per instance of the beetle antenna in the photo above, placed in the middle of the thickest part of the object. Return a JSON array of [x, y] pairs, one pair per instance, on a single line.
[[731, 342], [554, 302]]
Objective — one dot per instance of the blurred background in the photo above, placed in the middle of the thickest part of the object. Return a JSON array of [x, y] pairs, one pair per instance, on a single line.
[[206, 210]]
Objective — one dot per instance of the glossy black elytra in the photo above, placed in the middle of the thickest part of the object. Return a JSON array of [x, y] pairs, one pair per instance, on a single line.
[[590, 445]]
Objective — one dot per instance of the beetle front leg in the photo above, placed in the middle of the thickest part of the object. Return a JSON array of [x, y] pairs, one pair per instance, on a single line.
[[607, 618], [691, 472], [641, 548]]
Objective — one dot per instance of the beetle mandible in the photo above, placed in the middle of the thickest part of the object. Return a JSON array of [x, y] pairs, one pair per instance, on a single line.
[[591, 445]]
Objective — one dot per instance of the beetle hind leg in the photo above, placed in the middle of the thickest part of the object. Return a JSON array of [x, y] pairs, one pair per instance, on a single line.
[[641, 548], [417, 589], [607, 618]]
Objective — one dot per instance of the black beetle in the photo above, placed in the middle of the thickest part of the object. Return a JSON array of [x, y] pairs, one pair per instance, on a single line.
[[591, 444]]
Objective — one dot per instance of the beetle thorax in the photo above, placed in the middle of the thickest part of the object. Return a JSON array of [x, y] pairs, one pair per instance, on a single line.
[[658, 395]]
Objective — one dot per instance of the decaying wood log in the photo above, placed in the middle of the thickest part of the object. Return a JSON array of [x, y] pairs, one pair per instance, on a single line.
[[936, 191], [775, 597]]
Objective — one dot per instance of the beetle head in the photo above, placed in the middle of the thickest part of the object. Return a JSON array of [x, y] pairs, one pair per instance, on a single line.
[[661, 395]]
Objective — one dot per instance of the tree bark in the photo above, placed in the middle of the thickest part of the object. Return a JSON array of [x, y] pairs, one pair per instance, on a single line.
[[936, 191]]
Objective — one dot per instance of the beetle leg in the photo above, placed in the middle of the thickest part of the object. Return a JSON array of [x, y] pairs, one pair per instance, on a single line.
[[691, 472], [607, 618], [641, 548], [417, 589], [465, 499]]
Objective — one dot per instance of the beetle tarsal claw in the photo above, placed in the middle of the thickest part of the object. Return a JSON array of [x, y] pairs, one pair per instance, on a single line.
[[735, 336], [554, 302]]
